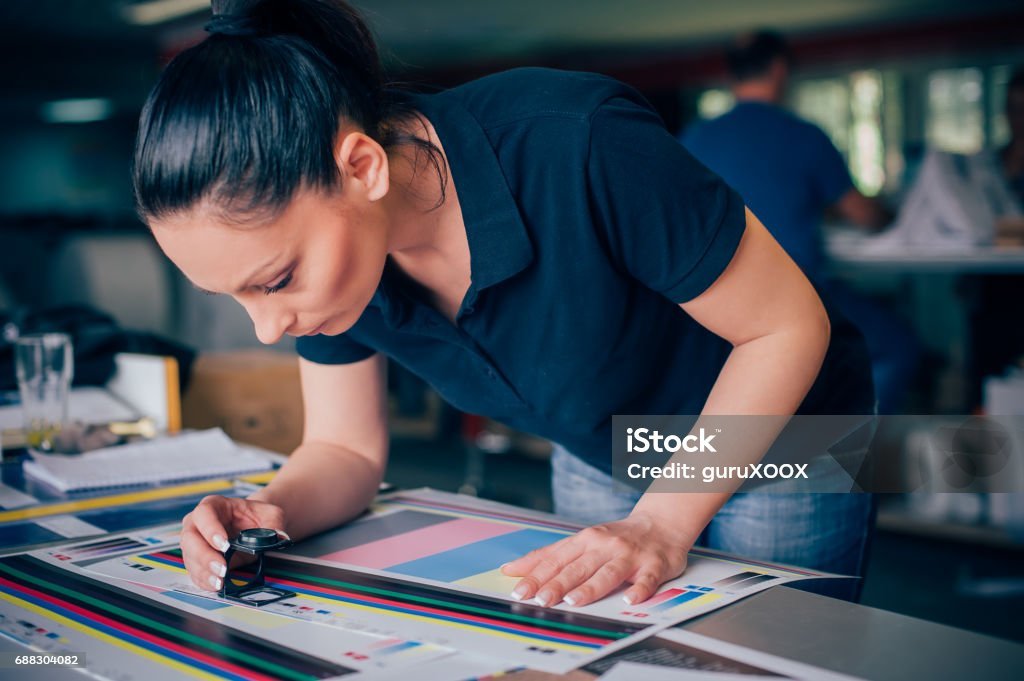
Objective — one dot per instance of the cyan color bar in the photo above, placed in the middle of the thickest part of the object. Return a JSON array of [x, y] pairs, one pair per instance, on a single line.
[[481, 556]]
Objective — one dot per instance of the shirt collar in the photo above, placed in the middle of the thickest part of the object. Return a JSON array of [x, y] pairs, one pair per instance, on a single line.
[[499, 246]]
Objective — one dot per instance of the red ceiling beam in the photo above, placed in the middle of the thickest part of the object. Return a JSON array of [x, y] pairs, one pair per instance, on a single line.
[[668, 69]]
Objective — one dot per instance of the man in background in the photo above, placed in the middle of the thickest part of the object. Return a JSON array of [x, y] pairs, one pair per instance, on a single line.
[[1012, 155], [789, 173]]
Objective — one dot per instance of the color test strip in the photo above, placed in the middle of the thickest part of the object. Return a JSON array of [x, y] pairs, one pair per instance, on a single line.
[[732, 579], [366, 530], [426, 541], [481, 556], [146, 642], [60, 616], [753, 581], [121, 545], [155, 627], [500, 516], [676, 601], [496, 617], [662, 597], [396, 648]]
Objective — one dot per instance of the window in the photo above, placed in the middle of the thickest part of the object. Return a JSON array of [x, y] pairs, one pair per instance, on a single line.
[[861, 113], [954, 116], [881, 120], [867, 151], [714, 103], [999, 129], [826, 102]]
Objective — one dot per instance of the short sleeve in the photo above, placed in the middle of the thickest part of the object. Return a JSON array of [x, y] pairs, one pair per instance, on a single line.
[[669, 221], [829, 175], [331, 349]]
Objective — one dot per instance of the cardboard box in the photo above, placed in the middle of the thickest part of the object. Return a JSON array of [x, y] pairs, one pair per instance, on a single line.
[[254, 395]]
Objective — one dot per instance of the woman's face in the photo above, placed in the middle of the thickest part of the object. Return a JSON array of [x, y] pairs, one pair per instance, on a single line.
[[311, 269]]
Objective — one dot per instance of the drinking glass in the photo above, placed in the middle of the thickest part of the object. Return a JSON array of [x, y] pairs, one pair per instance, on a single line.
[[44, 364]]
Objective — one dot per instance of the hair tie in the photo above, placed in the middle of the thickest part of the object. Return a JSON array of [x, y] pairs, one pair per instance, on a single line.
[[231, 24]]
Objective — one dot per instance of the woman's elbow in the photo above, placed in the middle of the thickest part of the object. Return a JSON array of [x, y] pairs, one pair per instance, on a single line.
[[819, 330]]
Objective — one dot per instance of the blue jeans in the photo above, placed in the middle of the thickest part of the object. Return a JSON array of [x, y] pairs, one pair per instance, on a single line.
[[821, 531]]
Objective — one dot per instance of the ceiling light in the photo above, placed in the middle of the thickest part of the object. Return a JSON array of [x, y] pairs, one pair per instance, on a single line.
[[159, 11], [77, 110]]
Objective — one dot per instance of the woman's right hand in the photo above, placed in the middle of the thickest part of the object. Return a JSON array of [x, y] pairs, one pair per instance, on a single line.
[[205, 532]]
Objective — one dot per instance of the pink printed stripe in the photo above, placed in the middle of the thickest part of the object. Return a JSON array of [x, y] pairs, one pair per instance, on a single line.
[[420, 543], [663, 596]]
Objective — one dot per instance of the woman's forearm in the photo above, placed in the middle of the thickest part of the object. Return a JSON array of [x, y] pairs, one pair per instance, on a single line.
[[321, 486], [769, 375], [772, 374]]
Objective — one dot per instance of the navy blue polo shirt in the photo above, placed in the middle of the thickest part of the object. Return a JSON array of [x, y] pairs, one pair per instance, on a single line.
[[587, 225]]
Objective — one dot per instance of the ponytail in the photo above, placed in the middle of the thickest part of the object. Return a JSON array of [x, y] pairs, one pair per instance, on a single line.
[[250, 115]]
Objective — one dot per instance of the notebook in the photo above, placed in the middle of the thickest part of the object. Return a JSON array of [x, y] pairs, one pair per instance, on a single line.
[[190, 456]]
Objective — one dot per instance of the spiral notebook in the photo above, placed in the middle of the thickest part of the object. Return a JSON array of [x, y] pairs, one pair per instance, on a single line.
[[190, 456]]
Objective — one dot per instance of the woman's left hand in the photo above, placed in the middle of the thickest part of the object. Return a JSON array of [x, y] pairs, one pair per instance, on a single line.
[[641, 549]]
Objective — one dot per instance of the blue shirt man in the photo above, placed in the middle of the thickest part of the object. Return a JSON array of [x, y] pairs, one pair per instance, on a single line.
[[789, 173], [758, 140]]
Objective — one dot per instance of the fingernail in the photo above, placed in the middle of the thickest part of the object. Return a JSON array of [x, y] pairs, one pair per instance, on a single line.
[[218, 568], [221, 543], [543, 598], [284, 534], [502, 566], [519, 592], [215, 583], [571, 600], [628, 599]]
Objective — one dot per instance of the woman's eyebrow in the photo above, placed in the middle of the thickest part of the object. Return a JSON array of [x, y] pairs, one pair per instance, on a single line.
[[252, 278], [258, 275]]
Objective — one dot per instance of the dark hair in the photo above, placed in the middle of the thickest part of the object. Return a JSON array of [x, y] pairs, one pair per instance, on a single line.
[[248, 116], [751, 55]]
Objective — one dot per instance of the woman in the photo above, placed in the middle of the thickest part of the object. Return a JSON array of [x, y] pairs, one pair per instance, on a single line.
[[533, 244]]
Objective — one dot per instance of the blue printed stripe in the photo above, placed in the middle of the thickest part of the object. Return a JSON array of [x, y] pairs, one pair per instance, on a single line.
[[480, 556]]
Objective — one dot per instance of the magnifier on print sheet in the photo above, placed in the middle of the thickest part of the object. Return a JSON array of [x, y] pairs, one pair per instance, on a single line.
[[253, 591]]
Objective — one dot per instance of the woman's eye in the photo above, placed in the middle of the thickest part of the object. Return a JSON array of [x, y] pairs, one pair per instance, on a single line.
[[278, 286]]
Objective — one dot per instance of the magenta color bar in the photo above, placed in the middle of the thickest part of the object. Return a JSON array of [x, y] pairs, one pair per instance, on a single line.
[[426, 541], [663, 596]]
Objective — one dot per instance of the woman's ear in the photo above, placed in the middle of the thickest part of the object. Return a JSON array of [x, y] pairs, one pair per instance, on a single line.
[[363, 162]]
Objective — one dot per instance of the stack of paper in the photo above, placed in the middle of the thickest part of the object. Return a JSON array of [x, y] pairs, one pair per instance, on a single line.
[[203, 454], [87, 405]]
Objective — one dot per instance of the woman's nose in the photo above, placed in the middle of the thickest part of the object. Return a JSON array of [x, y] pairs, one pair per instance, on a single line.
[[269, 322]]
